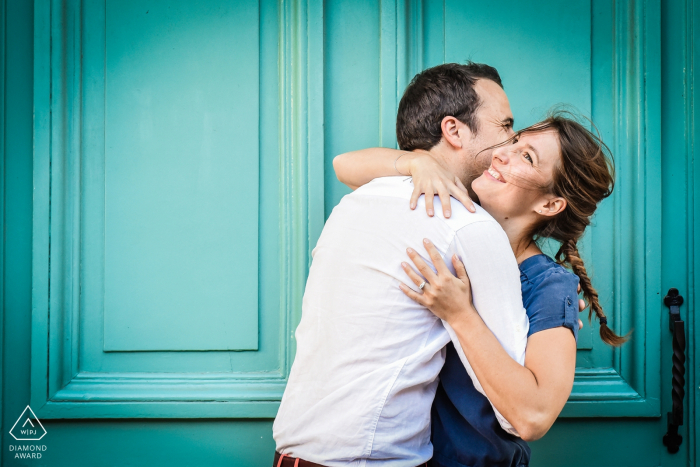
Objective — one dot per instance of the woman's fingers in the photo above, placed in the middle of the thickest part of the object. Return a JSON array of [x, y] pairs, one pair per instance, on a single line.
[[459, 268], [414, 196], [413, 295], [443, 188], [435, 257], [422, 266], [413, 275], [445, 201], [462, 195], [459, 183], [465, 200], [429, 203]]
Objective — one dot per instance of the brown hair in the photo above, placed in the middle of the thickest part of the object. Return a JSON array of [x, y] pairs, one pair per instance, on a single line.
[[435, 93], [584, 176]]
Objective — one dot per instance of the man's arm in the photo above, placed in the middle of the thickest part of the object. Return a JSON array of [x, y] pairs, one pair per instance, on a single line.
[[496, 293], [495, 283]]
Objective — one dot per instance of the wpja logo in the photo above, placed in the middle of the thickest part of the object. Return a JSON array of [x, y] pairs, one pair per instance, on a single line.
[[27, 428]]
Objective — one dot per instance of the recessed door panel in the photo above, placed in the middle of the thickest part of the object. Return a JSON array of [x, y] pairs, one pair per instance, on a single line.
[[181, 176], [160, 213]]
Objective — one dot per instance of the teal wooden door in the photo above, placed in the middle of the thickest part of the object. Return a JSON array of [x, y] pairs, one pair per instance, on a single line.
[[167, 169]]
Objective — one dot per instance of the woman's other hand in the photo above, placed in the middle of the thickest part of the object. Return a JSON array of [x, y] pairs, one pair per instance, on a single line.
[[447, 296], [434, 297], [430, 178]]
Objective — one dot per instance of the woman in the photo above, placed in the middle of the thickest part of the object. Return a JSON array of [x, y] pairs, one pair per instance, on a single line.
[[545, 182]]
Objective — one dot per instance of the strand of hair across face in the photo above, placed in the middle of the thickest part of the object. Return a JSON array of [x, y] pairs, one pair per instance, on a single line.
[[568, 253]]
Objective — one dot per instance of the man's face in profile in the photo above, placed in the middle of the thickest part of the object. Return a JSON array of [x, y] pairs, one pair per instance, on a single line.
[[495, 125]]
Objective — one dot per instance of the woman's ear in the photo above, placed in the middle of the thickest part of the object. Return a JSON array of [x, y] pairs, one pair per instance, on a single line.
[[552, 206], [454, 131]]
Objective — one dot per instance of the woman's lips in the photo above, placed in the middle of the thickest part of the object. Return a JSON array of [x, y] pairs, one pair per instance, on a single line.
[[495, 174]]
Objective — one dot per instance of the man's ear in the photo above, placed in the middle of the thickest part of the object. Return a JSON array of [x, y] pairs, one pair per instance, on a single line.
[[454, 131], [552, 206]]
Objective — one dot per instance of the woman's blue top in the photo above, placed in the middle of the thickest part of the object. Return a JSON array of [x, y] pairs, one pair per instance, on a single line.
[[465, 432]]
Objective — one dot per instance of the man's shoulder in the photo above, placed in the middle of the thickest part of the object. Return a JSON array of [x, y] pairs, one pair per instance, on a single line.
[[397, 187], [402, 187], [462, 218]]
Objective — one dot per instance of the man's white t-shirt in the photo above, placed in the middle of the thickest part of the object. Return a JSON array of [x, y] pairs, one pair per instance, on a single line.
[[368, 357]]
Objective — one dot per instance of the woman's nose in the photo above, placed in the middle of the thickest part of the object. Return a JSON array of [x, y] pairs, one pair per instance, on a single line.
[[500, 155]]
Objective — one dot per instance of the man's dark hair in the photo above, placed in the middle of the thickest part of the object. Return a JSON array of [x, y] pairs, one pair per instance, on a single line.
[[435, 93]]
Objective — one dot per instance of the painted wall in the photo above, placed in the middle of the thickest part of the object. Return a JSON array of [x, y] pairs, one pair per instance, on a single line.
[[329, 79]]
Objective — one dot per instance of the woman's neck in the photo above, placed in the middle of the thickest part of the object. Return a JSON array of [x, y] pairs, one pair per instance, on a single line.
[[519, 237]]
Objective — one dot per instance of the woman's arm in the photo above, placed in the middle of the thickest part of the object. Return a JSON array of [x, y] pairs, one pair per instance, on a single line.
[[530, 397], [357, 168]]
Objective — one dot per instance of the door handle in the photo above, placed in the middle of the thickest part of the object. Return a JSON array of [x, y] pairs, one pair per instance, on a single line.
[[672, 440]]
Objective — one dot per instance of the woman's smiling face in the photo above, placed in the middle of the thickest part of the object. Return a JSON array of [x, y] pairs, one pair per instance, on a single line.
[[520, 176]]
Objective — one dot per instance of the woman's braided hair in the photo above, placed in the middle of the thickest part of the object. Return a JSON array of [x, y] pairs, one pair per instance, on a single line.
[[584, 177]]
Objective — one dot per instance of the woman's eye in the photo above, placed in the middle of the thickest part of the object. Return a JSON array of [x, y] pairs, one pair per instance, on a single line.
[[527, 156]]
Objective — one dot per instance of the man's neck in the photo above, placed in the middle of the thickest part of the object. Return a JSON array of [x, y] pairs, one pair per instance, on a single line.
[[446, 158]]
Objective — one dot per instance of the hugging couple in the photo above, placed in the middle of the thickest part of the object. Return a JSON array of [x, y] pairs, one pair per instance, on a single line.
[[460, 358]]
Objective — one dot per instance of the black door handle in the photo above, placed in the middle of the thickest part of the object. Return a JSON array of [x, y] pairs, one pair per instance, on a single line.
[[672, 440]]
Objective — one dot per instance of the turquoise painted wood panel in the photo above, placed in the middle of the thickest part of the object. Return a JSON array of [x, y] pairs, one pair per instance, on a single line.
[[542, 52], [251, 129], [552, 53], [181, 166], [585, 54]]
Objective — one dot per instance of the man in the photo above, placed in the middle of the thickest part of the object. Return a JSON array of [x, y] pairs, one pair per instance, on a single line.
[[368, 357]]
